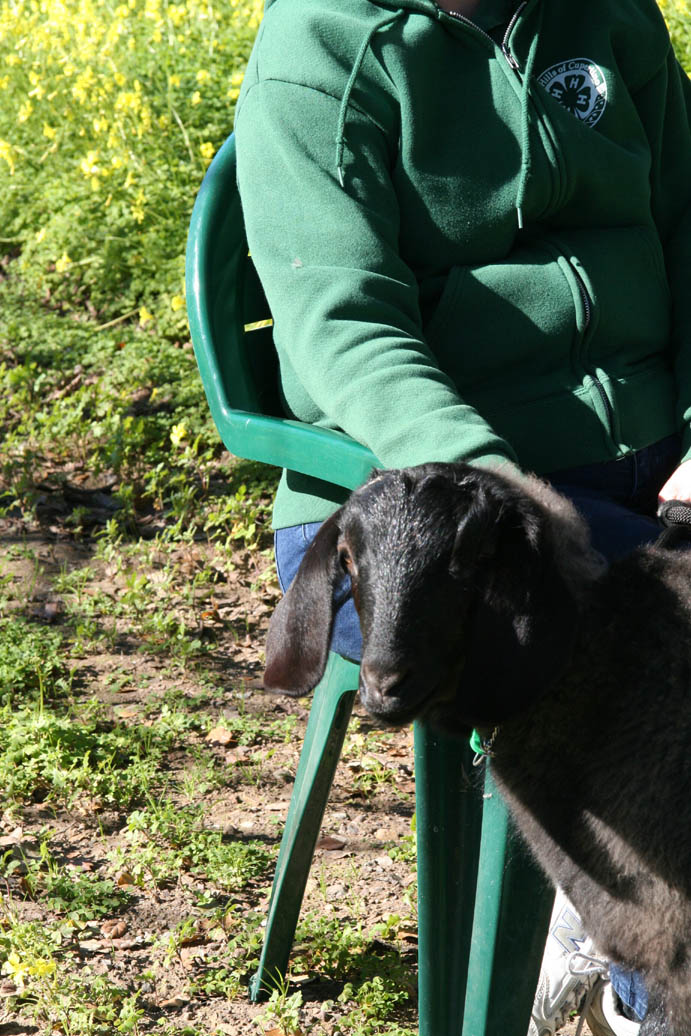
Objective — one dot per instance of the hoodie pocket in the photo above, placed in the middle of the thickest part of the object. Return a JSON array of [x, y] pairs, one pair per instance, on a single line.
[[623, 268], [514, 323]]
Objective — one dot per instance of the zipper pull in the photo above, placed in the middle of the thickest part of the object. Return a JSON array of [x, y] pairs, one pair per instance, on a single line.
[[505, 42], [509, 57]]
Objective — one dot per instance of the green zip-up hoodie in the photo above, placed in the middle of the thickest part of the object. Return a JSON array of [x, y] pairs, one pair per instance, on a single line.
[[472, 249]]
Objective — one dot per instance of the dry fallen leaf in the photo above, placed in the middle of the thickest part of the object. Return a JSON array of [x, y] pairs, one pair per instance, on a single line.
[[189, 955], [221, 736], [239, 755], [114, 929], [13, 838], [174, 1001], [330, 843]]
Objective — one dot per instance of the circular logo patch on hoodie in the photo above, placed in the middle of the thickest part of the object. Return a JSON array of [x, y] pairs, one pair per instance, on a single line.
[[580, 86]]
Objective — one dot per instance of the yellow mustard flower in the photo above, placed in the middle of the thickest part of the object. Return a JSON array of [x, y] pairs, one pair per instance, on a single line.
[[25, 111], [16, 968], [144, 315], [178, 433], [7, 153], [177, 302], [176, 13], [196, 98], [63, 263], [89, 164], [42, 966]]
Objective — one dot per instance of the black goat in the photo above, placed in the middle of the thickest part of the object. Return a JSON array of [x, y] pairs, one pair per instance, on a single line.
[[483, 605]]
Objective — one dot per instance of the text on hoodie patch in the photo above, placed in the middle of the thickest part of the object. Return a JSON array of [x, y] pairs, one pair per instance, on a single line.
[[579, 85]]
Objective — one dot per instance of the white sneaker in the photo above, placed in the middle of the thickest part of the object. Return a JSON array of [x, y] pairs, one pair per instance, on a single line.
[[569, 970], [604, 1013]]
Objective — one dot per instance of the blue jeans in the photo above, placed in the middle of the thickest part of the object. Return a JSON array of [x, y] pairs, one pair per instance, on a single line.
[[618, 499]]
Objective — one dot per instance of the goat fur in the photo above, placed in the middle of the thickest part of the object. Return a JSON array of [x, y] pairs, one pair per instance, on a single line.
[[482, 603]]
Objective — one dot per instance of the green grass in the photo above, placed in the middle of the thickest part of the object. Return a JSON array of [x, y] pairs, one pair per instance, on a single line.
[[163, 840]]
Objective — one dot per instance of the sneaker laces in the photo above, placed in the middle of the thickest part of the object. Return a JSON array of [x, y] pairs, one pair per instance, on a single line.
[[591, 966], [583, 966]]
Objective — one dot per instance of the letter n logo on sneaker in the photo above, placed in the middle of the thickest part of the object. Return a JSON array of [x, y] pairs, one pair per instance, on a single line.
[[567, 929]]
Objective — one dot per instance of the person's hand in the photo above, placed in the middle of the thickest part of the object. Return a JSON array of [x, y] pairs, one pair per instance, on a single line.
[[678, 485]]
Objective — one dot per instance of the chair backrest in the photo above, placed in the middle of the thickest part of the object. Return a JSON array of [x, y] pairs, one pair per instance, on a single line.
[[233, 343]]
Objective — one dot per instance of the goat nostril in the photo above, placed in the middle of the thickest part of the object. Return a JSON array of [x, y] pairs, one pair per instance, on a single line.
[[385, 682]]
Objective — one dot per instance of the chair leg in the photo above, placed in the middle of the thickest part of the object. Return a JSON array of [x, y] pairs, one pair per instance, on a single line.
[[449, 816], [512, 914], [326, 728]]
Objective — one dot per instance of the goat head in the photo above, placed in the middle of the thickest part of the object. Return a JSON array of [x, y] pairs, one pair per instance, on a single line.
[[465, 617]]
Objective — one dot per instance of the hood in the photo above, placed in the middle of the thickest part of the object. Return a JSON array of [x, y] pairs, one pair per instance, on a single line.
[[420, 6], [390, 12]]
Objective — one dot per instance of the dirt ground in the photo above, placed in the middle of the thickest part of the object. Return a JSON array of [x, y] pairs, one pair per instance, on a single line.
[[355, 878]]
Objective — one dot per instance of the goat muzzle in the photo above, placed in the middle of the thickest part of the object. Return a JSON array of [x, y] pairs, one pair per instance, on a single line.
[[391, 695]]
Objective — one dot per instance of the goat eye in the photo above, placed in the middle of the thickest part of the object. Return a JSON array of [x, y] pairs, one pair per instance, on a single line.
[[345, 560]]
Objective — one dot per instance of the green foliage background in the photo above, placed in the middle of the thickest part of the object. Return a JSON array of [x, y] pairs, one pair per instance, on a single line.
[[678, 16], [109, 115]]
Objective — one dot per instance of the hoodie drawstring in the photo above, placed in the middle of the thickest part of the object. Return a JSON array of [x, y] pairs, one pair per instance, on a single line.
[[388, 19]]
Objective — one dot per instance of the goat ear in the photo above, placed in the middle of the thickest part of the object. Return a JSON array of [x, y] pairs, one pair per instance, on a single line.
[[521, 624], [300, 629], [477, 533]]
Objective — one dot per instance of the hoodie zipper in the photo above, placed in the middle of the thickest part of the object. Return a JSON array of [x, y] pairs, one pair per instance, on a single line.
[[586, 300], [472, 25], [505, 41], [587, 315]]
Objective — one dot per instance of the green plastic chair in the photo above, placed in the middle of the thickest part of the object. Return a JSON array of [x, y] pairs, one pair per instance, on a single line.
[[483, 909]]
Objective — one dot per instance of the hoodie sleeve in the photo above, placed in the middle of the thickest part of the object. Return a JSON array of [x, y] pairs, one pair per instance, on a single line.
[[346, 315], [665, 107]]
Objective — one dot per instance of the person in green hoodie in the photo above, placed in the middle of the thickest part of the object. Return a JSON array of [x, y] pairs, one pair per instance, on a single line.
[[472, 221]]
